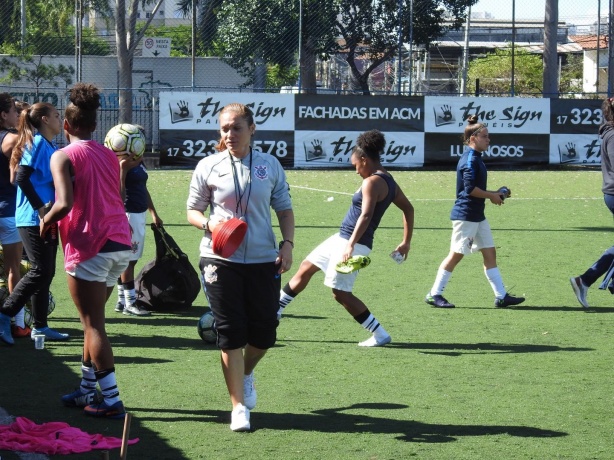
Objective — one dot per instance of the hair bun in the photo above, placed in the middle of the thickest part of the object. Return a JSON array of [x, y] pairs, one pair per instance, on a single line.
[[472, 119]]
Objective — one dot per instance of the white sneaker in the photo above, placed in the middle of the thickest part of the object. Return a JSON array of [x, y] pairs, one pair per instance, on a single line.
[[239, 418], [580, 290], [373, 342], [249, 391], [134, 310]]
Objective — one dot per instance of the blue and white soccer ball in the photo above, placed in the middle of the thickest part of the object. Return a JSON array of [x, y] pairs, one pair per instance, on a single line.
[[126, 137], [206, 327]]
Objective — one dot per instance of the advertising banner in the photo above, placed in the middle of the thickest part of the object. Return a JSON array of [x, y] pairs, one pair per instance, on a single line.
[[505, 149], [320, 131], [189, 125], [332, 149], [500, 114]]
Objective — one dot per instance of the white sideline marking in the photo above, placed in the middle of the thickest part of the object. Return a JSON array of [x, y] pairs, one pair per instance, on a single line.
[[449, 199], [7, 419]]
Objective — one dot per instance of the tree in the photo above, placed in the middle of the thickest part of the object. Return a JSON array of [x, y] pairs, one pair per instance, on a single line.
[[127, 40], [495, 71], [372, 30], [33, 70]]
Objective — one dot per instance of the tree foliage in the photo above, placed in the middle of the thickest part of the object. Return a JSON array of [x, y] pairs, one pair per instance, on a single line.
[[33, 70], [494, 72]]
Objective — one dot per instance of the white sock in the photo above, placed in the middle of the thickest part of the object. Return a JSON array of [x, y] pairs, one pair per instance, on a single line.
[[88, 378], [496, 282], [120, 294], [19, 318], [441, 281], [371, 324], [108, 386], [284, 300], [129, 296]]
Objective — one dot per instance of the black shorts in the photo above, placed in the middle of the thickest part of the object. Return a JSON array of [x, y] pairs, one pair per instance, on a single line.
[[244, 299]]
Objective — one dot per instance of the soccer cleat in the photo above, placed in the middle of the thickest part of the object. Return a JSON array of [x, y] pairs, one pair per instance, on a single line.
[[508, 301], [20, 332], [580, 290], [134, 310], [49, 334], [373, 342], [5, 329], [438, 301], [119, 307], [101, 409], [249, 391], [352, 264], [79, 399], [239, 418]]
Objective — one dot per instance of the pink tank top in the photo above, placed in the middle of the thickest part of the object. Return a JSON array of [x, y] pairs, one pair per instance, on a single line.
[[98, 213]]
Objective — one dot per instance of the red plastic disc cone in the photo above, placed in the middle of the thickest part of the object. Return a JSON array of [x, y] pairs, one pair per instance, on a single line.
[[227, 237]]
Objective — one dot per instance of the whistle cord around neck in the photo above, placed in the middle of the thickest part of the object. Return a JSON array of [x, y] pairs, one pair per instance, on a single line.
[[239, 194]]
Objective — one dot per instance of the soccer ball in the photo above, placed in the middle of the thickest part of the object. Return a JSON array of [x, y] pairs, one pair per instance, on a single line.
[[126, 138], [206, 327], [28, 319]]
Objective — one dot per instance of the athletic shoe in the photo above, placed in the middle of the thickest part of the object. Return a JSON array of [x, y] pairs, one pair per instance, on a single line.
[[20, 332], [79, 399], [49, 334], [134, 310], [119, 307], [5, 329], [438, 301], [239, 418], [352, 264], [508, 301], [373, 342], [249, 391], [101, 409], [580, 290]]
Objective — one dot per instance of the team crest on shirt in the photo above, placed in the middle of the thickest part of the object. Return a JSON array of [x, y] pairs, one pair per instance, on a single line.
[[261, 172], [210, 274]]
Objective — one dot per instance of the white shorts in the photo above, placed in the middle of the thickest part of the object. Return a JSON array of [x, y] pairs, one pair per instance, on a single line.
[[104, 267], [328, 254], [468, 237], [137, 221], [8, 231]]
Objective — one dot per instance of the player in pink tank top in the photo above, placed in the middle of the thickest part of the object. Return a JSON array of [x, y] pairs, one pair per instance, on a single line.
[[96, 240]]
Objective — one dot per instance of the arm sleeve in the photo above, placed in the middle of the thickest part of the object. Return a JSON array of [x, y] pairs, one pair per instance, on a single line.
[[280, 197], [23, 181]]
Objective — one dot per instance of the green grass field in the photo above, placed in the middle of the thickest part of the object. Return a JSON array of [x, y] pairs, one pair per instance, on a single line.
[[474, 382]]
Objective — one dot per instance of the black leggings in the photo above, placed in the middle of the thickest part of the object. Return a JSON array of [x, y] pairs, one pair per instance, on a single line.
[[35, 284]]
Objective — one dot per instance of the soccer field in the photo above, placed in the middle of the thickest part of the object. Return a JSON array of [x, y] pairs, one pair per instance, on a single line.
[[474, 382]]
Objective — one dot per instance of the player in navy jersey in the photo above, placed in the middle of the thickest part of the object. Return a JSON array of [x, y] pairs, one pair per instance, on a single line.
[[471, 231], [355, 237], [138, 201]]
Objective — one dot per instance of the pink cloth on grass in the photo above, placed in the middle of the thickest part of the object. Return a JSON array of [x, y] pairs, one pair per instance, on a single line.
[[53, 438]]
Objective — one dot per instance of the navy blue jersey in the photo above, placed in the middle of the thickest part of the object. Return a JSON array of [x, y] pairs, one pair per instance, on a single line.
[[136, 190], [470, 173], [8, 191], [350, 219]]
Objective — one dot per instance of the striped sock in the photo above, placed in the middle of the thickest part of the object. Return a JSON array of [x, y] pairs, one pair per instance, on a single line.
[[108, 386], [88, 378]]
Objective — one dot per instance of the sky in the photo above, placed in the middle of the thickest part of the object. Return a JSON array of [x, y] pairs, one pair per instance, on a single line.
[[574, 11]]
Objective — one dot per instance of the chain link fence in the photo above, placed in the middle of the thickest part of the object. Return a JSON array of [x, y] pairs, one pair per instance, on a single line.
[[388, 47]]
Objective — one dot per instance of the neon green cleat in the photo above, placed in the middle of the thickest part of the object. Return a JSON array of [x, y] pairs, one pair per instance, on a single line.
[[353, 263]]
